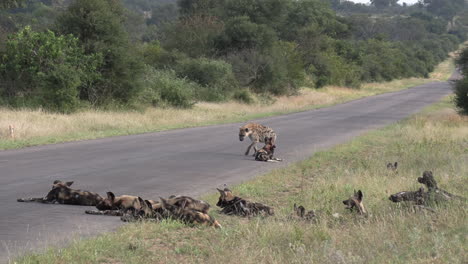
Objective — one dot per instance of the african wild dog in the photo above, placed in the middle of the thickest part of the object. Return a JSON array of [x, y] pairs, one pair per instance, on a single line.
[[189, 203], [392, 167], [188, 215], [116, 205], [233, 205], [355, 201], [61, 193], [266, 153], [256, 133], [300, 212]]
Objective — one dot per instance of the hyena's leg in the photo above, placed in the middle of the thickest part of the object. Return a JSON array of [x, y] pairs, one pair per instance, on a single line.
[[105, 212], [36, 200], [250, 146]]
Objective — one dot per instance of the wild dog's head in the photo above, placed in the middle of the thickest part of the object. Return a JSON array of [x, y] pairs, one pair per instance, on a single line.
[[225, 197], [393, 166], [59, 190], [146, 208], [269, 145], [189, 203], [299, 210], [428, 180], [244, 131], [107, 203], [355, 201]]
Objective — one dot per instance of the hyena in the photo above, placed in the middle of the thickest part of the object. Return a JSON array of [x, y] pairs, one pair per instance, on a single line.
[[301, 213], [61, 193], [233, 205], [256, 133], [266, 153], [187, 215], [355, 201]]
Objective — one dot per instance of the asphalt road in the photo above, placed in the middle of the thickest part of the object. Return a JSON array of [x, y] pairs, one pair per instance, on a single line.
[[187, 161]]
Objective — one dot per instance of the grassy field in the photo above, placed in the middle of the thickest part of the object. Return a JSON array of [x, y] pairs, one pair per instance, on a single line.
[[436, 139], [36, 127]]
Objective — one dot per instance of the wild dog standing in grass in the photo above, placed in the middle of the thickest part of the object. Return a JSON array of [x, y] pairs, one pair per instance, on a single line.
[[61, 193], [233, 205], [266, 153], [256, 133], [187, 215], [300, 212], [392, 167], [355, 201]]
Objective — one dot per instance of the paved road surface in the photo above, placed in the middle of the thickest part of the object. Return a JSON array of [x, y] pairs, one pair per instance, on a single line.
[[187, 161]]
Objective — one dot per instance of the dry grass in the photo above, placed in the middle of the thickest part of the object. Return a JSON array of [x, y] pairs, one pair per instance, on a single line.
[[35, 127], [436, 140]]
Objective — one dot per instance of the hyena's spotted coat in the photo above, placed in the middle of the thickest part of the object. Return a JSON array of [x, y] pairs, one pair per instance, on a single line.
[[256, 133]]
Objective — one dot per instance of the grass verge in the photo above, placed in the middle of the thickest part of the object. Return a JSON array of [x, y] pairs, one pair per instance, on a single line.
[[436, 139], [37, 127]]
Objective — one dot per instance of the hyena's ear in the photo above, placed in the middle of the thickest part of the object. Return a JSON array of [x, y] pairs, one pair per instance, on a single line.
[[111, 196], [359, 196], [69, 183]]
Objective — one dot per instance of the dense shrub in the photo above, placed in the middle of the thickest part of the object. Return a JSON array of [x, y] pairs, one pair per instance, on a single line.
[[164, 88], [461, 95]]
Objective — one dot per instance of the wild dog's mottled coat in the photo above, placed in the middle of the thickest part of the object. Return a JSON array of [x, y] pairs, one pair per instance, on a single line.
[[187, 215], [62, 193], [355, 201], [256, 133], [266, 153], [300, 212], [233, 205]]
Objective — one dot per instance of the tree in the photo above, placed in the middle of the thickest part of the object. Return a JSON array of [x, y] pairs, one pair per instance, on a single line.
[[384, 3], [42, 69], [99, 25], [5, 4]]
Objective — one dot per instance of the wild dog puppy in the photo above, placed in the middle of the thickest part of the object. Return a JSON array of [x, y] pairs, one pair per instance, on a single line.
[[392, 167], [355, 201], [256, 133], [116, 205], [266, 153], [61, 193], [233, 205], [300, 212], [187, 215]]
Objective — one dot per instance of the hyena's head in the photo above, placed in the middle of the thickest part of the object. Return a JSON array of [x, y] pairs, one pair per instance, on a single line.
[[107, 203], [244, 132], [225, 196], [355, 201]]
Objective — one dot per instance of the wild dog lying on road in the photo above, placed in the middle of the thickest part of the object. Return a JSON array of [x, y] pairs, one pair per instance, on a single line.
[[62, 193], [300, 212], [355, 201], [233, 205], [256, 133], [116, 205], [188, 215], [266, 153]]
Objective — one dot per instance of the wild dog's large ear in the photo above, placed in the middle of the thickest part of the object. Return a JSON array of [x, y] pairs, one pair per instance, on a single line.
[[69, 183], [295, 207], [359, 196], [111, 196], [149, 204], [220, 191], [301, 211], [395, 165], [246, 129], [141, 201]]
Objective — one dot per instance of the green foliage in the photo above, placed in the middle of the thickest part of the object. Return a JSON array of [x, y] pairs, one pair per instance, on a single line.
[[461, 86], [99, 25], [164, 88], [42, 69], [243, 96]]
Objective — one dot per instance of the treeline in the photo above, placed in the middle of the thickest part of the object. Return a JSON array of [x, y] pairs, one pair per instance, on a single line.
[[131, 53], [461, 86]]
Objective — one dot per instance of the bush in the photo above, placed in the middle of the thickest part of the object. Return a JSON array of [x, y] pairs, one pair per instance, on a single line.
[[243, 96], [215, 76], [461, 95], [163, 88]]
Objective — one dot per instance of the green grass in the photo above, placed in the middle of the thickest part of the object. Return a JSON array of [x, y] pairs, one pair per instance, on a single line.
[[435, 139]]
